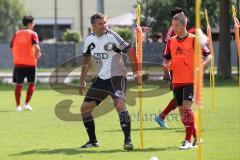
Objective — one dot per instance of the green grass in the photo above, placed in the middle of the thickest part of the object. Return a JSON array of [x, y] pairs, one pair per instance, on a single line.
[[9, 70], [149, 68], [41, 135]]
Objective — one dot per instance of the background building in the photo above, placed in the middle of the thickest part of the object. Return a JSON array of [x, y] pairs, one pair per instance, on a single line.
[[72, 14]]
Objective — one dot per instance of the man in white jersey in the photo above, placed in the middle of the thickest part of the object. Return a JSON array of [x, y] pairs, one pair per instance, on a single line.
[[106, 48]]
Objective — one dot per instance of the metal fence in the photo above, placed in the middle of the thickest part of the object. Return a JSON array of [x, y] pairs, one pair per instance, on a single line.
[[55, 55]]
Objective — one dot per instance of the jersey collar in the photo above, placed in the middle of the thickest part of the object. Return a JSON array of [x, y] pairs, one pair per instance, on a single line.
[[101, 35], [182, 39]]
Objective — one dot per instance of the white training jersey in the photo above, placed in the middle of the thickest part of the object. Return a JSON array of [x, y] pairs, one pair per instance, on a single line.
[[107, 53]]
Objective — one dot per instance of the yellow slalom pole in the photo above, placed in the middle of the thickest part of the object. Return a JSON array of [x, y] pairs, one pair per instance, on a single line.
[[236, 30], [138, 33], [198, 79], [212, 78]]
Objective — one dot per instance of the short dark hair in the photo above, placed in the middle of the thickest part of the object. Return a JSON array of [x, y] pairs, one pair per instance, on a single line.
[[27, 19], [181, 18], [97, 16], [176, 10]]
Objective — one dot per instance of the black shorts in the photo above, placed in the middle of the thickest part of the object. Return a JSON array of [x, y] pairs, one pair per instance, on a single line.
[[183, 93], [19, 73], [100, 89]]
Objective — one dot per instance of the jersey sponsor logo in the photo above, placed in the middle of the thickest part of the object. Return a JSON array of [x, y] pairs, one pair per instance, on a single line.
[[100, 55], [179, 51], [109, 46]]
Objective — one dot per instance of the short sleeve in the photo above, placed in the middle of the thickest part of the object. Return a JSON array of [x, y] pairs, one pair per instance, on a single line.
[[205, 50], [12, 41], [35, 39], [88, 47], [167, 52], [170, 33], [121, 44]]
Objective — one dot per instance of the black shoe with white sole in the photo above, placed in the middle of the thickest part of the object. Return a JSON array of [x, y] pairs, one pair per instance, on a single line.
[[90, 145], [128, 146]]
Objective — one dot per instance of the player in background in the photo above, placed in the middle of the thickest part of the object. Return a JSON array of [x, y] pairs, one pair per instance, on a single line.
[[26, 52]]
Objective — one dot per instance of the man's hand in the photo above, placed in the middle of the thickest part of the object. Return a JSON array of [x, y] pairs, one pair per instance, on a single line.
[[82, 87], [207, 61], [38, 55], [165, 66], [145, 29], [138, 78], [236, 21], [205, 65]]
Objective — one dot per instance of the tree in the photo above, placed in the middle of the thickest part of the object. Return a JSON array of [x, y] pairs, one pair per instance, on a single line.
[[12, 12], [157, 12], [158, 18], [224, 58], [72, 36], [124, 32]]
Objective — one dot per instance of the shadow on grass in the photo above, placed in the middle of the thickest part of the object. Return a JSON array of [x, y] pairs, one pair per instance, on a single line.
[[221, 83], [178, 130], [74, 151], [7, 111], [148, 129], [11, 87], [183, 130], [162, 84]]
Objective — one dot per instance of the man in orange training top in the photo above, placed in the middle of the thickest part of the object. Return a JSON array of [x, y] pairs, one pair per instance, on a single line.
[[179, 58], [26, 52], [160, 119]]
